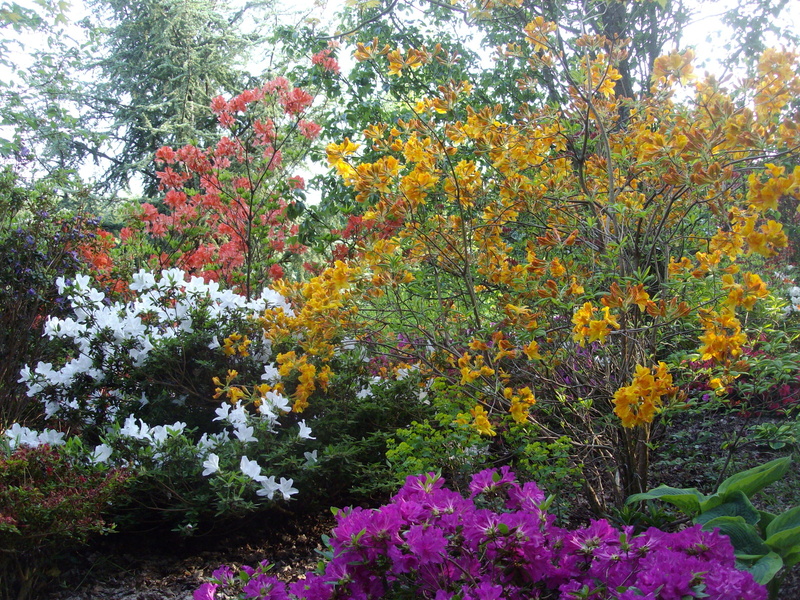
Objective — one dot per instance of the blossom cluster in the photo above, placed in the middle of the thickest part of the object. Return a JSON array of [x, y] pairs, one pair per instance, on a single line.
[[113, 376], [18, 436], [500, 542]]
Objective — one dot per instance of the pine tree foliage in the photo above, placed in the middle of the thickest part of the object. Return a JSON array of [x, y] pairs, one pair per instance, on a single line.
[[161, 63]]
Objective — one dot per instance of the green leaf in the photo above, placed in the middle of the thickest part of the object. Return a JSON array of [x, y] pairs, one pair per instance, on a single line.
[[755, 479], [735, 504], [791, 559], [686, 499], [766, 519], [766, 568], [744, 537], [784, 530]]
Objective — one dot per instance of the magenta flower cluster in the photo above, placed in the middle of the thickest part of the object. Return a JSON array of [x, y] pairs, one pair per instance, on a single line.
[[430, 542]]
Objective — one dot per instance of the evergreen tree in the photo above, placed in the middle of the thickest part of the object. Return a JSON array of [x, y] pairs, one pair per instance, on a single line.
[[161, 63]]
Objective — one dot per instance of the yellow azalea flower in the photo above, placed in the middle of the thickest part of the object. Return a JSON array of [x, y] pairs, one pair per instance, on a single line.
[[481, 421], [638, 403], [598, 330]]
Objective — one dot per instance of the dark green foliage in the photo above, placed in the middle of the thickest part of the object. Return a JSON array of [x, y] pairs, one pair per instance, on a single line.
[[36, 246]]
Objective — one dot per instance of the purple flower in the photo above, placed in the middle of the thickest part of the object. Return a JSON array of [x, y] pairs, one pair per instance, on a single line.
[[313, 587], [223, 575], [264, 587], [528, 497], [486, 590], [489, 480], [205, 592], [432, 543], [427, 543], [417, 486]]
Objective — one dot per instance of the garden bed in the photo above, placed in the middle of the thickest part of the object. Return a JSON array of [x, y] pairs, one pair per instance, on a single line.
[[692, 449]]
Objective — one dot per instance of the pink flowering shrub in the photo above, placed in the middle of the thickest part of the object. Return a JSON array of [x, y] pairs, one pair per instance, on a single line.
[[430, 542], [49, 502]]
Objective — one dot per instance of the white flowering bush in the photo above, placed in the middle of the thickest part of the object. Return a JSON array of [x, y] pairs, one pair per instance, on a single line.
[[153, 359], [159, 349]]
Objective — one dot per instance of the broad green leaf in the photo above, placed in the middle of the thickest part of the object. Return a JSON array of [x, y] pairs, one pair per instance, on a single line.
[[766, 568], [744, 537], [686, 499], [766, 519], [755, 479], [787, 520], [735, 504], [783, 533], [792, 558]]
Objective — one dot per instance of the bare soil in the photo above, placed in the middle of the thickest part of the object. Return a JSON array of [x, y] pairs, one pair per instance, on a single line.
[[165, 566]]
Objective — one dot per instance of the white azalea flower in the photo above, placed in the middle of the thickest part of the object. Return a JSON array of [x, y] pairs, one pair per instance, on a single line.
[[251, 469], [51, 437], [271, 373], [245, 434], [101, 454], [142, 281], [19, 435], [311, 458], [238, 416], [268, 487], [211, 465], [305, 431], [277, 401], [222, 412], [285, 488]]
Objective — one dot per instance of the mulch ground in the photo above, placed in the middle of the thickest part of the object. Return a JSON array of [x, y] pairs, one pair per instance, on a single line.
[[168, 567]]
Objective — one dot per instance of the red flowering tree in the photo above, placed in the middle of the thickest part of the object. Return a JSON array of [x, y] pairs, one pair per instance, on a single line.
[[229, 210]]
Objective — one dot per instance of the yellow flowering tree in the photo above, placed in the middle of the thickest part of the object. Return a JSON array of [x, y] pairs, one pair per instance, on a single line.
[[553, 255]]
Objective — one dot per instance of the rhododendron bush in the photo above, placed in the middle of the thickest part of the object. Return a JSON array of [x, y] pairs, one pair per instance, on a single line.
[[562, 255], [431, 542]]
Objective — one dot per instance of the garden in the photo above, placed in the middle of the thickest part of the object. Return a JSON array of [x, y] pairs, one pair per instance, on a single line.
[[531, 329]]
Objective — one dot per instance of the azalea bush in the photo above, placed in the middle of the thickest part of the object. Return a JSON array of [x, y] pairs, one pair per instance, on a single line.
[[155, 356], [128, 369], [50, 501], [431, 542], [230, 211], [447, 443], [37, 244]]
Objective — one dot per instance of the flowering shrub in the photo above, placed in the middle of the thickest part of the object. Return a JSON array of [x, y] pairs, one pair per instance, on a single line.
[[49, 501], [499, 542], [448, 443], [510, 244], [230, 208], [36, 246], [154, 357]]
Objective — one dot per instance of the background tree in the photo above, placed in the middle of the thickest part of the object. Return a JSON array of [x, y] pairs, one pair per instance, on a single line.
[[160, 65], [137, 76]]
